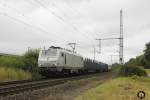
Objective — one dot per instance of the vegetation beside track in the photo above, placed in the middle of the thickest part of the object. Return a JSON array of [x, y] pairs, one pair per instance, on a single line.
[[19, 67], [147, 71], [129, 80], [7, 74], [141, 60], [122, 88]]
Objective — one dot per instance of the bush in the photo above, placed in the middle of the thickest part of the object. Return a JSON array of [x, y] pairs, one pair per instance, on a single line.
[[130, 71], [116, 69], [30, 60]]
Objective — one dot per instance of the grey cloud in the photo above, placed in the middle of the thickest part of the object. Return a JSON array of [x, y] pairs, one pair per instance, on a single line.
[[92, 18]]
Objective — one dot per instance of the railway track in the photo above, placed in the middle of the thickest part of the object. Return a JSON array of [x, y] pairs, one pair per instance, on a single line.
[[15, 87]]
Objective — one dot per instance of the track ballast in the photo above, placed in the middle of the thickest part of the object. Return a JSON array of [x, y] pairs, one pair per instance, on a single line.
[[26, 85]]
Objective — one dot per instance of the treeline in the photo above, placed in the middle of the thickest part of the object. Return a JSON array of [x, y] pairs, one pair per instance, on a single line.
[[142, 60], [135, 66], [26, 62]]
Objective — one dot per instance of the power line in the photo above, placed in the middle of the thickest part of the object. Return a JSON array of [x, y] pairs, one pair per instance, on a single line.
[[75, 10], [20, 21], [62, 19], [59, 17], [94, 53], [104, 39], [35, 27], [30, 25], [53, 13]]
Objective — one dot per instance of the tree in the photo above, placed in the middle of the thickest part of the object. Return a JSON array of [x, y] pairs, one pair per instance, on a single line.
[[140, 60], [30, 60], [131, 62], [147, 54]]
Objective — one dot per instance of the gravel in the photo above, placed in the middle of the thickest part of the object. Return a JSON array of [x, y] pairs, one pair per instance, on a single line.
[[66, 91]]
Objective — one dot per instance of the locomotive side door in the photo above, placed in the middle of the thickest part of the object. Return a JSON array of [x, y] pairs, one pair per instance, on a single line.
[[65, 60]]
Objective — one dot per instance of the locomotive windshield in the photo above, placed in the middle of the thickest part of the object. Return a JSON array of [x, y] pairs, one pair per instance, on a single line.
[[49, 52]]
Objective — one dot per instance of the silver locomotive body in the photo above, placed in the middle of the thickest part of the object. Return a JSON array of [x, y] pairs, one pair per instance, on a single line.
[[56, 59]]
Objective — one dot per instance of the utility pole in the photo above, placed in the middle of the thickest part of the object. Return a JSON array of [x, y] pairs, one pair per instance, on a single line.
[[73, 46], [99, 45], [44, 47], [29, 48], [121, 60], [94, 53], [111, 58]]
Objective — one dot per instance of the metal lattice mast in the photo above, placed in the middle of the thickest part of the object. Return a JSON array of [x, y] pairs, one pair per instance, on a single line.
[[121, 60]]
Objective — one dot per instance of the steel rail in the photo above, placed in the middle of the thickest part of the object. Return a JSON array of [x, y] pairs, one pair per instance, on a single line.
[[9, 89]]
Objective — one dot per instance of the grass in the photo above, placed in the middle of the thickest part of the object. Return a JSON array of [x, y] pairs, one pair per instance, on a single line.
[[11, 61], [123, 88], [147, 71], [26, 62], [8, 74]]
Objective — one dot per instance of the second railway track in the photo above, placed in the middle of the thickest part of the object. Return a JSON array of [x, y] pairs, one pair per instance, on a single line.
[[18, 87]]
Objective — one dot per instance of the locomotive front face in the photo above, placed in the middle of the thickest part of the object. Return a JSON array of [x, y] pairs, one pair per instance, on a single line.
[[48, 58]]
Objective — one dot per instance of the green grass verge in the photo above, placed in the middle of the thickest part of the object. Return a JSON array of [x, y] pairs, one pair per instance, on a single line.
[[8, 74], [123, 88], [147, 71]]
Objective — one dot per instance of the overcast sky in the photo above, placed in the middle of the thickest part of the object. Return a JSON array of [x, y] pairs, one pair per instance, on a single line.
[[39, 23]]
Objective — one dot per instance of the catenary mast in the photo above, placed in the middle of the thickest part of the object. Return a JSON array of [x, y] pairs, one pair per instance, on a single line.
[[121, 60]]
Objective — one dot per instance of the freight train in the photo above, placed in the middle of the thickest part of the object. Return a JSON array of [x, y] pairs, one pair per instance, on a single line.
[[59, 60]]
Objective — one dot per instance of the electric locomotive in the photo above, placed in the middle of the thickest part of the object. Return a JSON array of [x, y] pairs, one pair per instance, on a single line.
[[58, 60]]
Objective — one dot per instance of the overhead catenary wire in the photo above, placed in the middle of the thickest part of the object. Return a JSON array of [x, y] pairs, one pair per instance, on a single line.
[[59, 17], [51, 12], [30, 25], [22, 21], [77, 12], [39, 28], [85, 35], [27, 24], [63, 20], [104, 33]]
